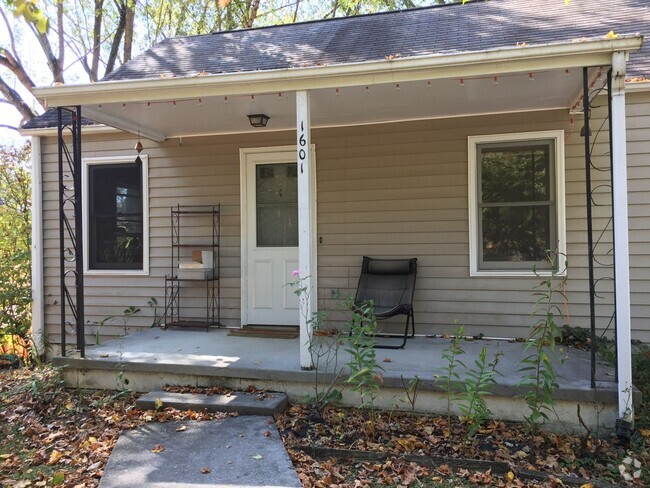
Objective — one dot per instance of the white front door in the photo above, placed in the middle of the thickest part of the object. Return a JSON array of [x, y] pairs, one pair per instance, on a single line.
[[271, 226]]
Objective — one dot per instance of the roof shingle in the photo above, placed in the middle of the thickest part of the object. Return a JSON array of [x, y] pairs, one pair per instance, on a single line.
[[445, 29]]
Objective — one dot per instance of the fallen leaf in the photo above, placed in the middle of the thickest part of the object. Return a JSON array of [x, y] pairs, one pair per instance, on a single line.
[[103, 355], [267, 433], [58, 478], [587, 485], [205, 470], [510, 475], [611, 35], [182, 428], [158, 448], [388, 360], [258, 457], [644, 432], [158, 404], [54, 457]]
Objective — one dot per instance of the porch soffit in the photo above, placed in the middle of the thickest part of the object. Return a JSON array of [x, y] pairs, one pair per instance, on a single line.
[[499, 81]]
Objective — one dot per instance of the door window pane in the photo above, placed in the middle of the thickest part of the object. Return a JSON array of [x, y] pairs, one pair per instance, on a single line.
[[276, 197]]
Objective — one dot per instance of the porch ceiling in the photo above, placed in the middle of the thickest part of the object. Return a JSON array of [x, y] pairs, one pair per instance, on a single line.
[[352, 105]]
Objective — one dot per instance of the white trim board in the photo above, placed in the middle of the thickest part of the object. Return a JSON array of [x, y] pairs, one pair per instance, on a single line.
[[560, 212], [145, 214]]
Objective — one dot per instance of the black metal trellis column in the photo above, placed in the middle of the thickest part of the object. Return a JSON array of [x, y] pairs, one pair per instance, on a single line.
[[590, 239], [70, 227], [611, 166]]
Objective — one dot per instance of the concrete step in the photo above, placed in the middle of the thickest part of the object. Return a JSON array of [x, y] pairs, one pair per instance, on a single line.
[[265, 404]]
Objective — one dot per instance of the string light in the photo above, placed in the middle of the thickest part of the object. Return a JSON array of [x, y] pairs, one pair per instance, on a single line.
[[461, 83], [566, 73], [200, 102], [148, 105], [279, 94], [530, 77], [225, 99], [123, 106], [252, 98], [99, 107], [367, 89], [397, 87], [428, 84], [495, 81], [337, 92]]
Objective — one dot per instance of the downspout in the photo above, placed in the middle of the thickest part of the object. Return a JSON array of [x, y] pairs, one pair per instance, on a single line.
[[38, 290]]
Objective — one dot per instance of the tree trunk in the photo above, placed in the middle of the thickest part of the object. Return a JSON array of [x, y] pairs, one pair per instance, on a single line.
[[97, 39], [128, 29], [117, 38], [253, 13]]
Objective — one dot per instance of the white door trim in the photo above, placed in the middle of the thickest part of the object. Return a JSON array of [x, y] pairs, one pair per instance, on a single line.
[[271, 154]]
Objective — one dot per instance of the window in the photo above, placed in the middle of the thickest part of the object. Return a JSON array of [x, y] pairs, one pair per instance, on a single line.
[[115, 215], [516, 204]]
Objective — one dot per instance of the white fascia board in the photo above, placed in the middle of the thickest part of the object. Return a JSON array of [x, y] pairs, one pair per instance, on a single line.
[[637, 86], [429, 67]]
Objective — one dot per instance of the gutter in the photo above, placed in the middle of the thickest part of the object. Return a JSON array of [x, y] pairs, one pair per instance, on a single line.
[[38, 289], [590, 52]]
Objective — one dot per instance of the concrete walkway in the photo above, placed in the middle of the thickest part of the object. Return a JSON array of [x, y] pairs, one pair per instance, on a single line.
[[244, 451]]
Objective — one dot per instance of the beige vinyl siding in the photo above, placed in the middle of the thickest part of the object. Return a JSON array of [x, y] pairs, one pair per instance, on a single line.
[[384, 190]]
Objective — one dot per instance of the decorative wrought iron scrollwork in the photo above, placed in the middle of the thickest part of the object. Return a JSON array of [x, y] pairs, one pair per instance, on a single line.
[[70, 228]]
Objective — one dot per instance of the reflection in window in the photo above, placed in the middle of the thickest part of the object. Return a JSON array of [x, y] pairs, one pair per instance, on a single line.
[[276, 197], [516, 205], [115, 216]]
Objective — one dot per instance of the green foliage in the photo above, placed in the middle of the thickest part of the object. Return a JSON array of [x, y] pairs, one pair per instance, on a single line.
[[15, 250], [411, 390], [324, 345], [365, 374], [43, 385], [449, 373], [153, 304], [539, 378], [480, 379], [31, 12], [126, 316]]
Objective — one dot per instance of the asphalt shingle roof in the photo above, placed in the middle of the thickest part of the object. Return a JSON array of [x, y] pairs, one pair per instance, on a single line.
[[442, 29], [445, 29]]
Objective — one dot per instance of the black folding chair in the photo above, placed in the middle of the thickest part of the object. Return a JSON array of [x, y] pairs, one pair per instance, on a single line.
[[389, 284]]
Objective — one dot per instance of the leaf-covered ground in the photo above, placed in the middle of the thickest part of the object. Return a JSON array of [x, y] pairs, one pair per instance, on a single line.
[[404, 437], [51, 436]]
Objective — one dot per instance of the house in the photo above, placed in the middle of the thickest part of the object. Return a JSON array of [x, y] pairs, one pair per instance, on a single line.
[[399, 123]]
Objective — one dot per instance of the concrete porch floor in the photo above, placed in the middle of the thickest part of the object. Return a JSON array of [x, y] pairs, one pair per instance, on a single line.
[[157, 357]]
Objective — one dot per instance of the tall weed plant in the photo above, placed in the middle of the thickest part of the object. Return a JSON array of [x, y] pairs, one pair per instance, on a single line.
[[365, 374], [539, 377]]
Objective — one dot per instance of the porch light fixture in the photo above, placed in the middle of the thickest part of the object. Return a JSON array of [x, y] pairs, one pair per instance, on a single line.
[[258, 120]]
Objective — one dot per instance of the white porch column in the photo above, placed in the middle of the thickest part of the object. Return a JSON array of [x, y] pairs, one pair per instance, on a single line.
[[621, 243], [306, 246], [38, 314]]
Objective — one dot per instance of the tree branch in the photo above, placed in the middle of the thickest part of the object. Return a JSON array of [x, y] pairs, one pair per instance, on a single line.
[[5, 126], [15, 99]]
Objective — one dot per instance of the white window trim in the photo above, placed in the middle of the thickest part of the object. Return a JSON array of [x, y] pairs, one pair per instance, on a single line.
[[86, 162], [560, 212]]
